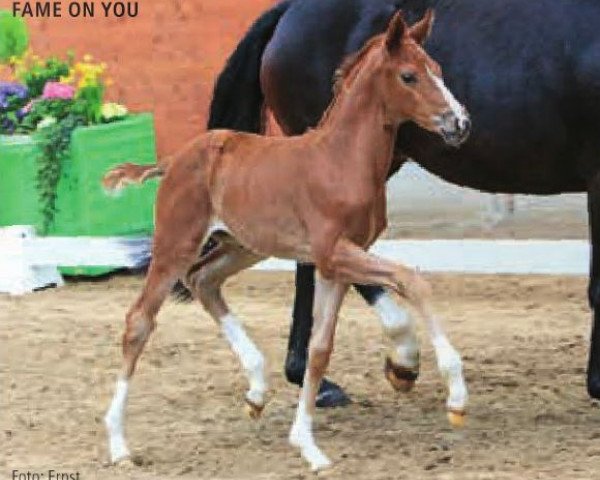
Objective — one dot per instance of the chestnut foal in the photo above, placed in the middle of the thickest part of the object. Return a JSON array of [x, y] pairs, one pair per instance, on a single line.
[[317, 198]]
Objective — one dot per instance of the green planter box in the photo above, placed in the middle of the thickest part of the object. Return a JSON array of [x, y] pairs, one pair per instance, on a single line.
[[83, 208]]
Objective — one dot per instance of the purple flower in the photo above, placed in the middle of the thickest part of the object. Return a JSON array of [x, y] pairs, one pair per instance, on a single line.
[[8, 90]]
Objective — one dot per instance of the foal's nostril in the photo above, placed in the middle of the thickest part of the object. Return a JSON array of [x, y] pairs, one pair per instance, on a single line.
[[465, 125], [455, 128]]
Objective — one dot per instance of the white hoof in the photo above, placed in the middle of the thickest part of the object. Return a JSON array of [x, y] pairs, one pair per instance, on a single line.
[[116, 442], [118, 450], [119, 454], [310, 452], [317, 459]]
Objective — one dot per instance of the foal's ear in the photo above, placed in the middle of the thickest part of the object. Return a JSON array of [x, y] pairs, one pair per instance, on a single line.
[[421, 30], [395, 32]]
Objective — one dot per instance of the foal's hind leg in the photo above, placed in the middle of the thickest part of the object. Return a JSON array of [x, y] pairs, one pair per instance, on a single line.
[[179, 233], [205, 280], [350, 263], [328, 300], [140, 322]]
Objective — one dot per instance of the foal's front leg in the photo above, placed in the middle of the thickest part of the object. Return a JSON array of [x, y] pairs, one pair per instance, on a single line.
[[328, 300], [350, 263]]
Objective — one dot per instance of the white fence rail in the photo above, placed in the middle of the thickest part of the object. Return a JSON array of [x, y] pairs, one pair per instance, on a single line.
[[28, 262]]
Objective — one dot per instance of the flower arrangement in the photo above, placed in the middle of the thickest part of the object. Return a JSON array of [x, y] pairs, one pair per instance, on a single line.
[[50, 98], [47, 91]]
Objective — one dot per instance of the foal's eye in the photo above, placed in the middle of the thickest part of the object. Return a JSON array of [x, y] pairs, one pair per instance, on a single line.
[[408, 78]]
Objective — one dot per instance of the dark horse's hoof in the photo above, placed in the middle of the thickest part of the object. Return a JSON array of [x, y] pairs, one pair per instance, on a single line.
[[331, 395], [593, 387]]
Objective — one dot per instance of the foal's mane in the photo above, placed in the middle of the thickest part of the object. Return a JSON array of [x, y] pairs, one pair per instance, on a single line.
[[346, 73]]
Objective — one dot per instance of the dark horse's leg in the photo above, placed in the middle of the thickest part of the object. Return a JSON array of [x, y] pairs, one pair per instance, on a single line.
[[593, 375]]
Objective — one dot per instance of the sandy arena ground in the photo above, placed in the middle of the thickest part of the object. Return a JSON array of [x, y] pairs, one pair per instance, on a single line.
[[523, 339]]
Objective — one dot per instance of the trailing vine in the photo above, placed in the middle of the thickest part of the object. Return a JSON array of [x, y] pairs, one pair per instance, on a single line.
[[50, 98], [54, 142]]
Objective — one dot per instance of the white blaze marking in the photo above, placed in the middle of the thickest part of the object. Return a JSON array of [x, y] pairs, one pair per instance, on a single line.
[[114, 422], [456, 107], [250, 356]]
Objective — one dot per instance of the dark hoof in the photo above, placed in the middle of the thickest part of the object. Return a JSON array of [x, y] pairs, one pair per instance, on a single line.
[[294, 368], [593, 387], [331, 395], [401, 378]]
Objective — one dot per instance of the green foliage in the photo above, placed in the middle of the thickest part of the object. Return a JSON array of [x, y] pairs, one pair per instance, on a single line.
[[55, 108], [14, 37], [54, 142], [38, 74], [88, 102]]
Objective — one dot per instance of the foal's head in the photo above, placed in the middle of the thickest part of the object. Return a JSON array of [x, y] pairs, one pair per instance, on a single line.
[[411, 84]]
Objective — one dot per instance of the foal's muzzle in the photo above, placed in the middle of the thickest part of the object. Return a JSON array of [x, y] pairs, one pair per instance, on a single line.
[[454, 128]]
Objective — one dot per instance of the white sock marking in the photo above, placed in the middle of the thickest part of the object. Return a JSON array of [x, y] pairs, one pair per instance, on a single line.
[[301, 436], [450, 366], [250, 356], [114, 422], [399, 328]]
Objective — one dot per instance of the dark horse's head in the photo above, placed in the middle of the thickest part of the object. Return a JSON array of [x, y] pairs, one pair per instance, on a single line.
[[412, 83]]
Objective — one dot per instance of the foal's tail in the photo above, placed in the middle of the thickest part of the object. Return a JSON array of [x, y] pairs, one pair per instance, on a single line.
[[238, 101], [129, 173]]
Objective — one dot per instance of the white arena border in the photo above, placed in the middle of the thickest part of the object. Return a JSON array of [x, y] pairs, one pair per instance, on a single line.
[[28, 262], [491, 257]]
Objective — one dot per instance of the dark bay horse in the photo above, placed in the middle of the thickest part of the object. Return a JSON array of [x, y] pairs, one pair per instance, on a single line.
[[295, 197], [528, 70]]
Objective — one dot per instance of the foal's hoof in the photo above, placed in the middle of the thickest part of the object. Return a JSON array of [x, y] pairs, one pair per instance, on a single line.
[[457, 418], [124, 463], [320, 464], [401, 378], [253, 410]]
